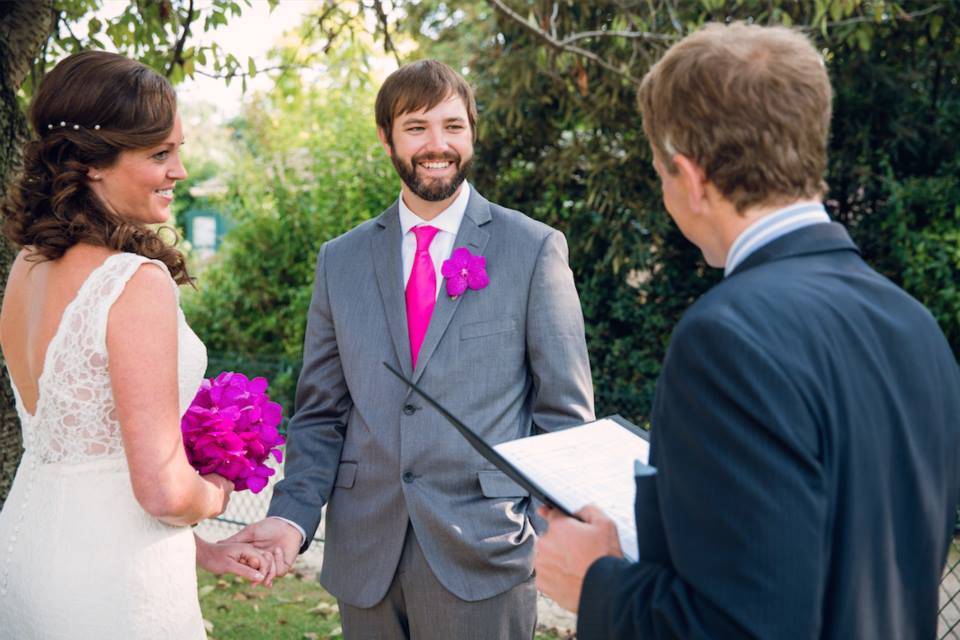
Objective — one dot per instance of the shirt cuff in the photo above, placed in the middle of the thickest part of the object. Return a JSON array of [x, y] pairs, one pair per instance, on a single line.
[[303, 534]]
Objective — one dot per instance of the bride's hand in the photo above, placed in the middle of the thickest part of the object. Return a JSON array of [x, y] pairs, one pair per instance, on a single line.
[[225, 488], [238, 558]]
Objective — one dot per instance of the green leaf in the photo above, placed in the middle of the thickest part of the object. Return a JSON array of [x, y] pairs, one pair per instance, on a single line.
[[836, 10], [936, 24]]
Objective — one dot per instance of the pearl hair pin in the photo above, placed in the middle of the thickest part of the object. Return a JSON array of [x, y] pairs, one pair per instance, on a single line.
[[75, 127]]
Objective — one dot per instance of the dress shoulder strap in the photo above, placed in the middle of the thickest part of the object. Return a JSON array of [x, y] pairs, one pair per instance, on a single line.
[[104, 287]]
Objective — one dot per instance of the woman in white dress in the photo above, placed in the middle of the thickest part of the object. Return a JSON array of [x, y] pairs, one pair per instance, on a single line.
[[95, 538]]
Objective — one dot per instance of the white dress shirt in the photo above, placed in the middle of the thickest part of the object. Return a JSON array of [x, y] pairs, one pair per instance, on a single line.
[[448, 222]]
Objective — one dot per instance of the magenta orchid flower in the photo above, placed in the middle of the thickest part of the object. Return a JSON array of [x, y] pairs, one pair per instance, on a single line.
[[464, 270], [231, 429]]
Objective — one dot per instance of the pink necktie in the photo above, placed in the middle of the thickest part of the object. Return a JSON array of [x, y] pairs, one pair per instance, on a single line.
[[421, 290]]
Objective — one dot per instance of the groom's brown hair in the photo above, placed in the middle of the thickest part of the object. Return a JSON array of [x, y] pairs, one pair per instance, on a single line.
[[421, 85], [749, 104]]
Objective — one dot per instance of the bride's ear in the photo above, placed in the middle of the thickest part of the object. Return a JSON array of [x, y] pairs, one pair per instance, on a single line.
[[94, 174]]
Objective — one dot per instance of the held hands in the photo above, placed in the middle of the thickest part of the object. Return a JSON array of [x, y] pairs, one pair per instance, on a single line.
[[240, 559], [275, 537], [566, 551]]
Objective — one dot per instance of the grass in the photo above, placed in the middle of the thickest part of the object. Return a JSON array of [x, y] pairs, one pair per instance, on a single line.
[[296, 608]]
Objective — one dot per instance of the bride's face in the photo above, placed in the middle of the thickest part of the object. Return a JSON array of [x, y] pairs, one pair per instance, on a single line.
[[139, 185]]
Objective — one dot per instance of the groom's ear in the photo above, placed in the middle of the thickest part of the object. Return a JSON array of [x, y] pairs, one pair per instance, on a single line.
[[384, 141]]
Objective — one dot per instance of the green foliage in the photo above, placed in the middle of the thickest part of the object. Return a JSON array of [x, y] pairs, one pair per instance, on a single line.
[[307, 166], [561, 139], [919, 232], [155, 32], [895, 155]]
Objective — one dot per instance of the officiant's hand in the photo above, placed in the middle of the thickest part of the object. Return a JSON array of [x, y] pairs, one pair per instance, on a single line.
[[566, 551], [276, 537]]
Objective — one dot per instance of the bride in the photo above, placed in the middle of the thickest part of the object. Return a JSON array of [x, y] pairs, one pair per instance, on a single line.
[[95, 539]]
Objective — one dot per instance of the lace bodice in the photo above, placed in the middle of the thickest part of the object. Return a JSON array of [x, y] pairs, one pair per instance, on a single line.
[[75, 418]]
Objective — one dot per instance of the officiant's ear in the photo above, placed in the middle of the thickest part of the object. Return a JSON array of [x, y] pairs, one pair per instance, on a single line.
[[385, 141], [694, 181]]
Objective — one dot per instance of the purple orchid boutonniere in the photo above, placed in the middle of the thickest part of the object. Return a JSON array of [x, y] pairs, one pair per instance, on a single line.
[[464, 270]]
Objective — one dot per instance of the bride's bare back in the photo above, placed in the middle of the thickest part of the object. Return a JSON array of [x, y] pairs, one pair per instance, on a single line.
[[36, 295], [139, 352]]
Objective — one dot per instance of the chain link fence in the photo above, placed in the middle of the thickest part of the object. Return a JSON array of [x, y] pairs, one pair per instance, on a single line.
[[246, 507], [949, 623]]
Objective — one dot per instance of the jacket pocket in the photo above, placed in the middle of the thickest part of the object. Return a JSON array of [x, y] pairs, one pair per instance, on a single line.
[[496, 484], [487, 328], [346, 475]]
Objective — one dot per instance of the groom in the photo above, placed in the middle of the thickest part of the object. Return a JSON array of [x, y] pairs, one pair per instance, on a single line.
[[424, 538]]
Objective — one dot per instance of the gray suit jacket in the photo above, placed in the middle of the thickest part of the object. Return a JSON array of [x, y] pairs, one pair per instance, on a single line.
[[503, 359]]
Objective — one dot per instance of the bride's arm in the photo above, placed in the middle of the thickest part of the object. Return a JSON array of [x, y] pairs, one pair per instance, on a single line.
[[142, 348]]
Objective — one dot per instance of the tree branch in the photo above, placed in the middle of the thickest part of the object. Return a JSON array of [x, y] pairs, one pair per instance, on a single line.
[[245, 74], [23, 28], [502, 8], [642, 35], [178, 51], [384, 24], [901, 17], [549, 35]]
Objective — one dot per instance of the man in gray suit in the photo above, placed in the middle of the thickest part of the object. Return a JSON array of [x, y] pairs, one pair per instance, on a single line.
[[424, 538]]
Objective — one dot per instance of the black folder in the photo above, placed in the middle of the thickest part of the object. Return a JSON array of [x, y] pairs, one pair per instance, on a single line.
[[495, 457]]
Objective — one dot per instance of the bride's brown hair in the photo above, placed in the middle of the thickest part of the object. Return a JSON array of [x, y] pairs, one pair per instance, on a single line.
[[88, 109]]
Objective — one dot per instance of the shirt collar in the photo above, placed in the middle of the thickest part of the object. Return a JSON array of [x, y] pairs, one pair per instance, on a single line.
[[772, 226], [448, 220]]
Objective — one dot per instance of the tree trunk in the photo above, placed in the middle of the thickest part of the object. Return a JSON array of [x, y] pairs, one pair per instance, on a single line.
[[24, 26]]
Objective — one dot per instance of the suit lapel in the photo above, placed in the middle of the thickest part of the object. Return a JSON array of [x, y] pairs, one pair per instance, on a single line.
[[388, 263], [474, 238]]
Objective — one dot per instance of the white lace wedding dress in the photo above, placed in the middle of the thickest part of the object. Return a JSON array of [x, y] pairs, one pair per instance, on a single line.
[[79, 557]]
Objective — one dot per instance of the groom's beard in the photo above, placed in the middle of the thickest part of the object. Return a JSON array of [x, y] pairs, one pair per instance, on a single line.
[[432, 190]]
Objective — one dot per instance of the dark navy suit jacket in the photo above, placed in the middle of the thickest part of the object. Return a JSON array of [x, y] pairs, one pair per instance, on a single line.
[[806, 431]]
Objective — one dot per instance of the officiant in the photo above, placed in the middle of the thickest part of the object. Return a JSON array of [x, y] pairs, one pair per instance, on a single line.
[[804, 427]]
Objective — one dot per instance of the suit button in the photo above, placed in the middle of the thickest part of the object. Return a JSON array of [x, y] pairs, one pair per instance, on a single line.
[[409, 409], [407, 477]]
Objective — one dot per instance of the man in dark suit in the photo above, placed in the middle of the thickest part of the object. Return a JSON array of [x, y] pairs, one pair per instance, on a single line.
[[806, 425]]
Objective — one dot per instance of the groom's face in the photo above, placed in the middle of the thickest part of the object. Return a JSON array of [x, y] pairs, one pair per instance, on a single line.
[[432, 150]]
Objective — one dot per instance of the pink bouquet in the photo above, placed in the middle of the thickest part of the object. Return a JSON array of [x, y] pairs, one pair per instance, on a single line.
[[231, 429]]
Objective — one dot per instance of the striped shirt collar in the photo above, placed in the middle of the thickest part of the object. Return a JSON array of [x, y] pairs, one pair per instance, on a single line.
[[772, 226]]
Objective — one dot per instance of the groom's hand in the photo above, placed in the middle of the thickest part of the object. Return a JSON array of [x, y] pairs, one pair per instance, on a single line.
[[275, 536]]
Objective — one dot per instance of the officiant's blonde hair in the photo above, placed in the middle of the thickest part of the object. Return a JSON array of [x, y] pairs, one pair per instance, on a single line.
[[751, 105]]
